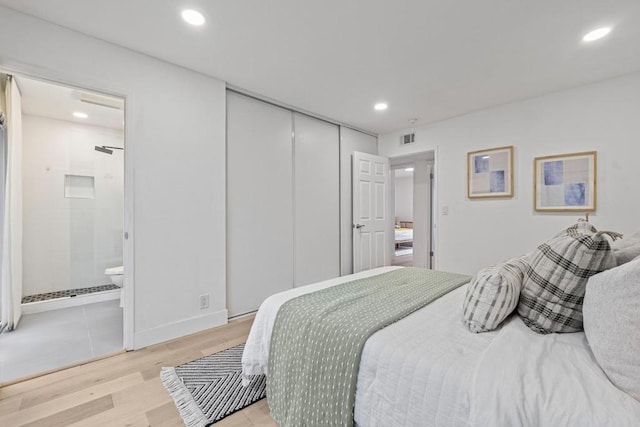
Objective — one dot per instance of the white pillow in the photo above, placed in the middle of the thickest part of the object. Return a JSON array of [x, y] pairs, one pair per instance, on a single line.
[[626, 249], [611, 313], [493, 294]]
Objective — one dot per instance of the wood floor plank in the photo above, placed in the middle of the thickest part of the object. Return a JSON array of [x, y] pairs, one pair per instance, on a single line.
[[238, 419], [123, 390], [165, 416], [132, 402], [10, 406], [69, 401], [71, 415]]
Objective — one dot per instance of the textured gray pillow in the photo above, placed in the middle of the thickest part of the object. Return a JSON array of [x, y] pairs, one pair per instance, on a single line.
[[553, 288], [626, 249], [612, 324], [493, 294]]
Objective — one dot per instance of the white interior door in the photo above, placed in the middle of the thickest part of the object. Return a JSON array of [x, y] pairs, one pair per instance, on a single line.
[[371, 231]]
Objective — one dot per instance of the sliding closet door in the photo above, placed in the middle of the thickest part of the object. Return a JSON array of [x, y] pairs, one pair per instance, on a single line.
[[316, 200], [259, 202]]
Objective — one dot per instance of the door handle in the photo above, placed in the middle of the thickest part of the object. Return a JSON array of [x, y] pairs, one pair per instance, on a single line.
[[358, 226]]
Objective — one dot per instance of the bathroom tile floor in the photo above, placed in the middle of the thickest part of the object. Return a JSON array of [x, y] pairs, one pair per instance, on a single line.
[[57, 338]]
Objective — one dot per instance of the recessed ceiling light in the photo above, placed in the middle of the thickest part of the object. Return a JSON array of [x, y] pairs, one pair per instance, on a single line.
[[596, 34], [380, 106], [409, 169], [193, 17], [80, 115]]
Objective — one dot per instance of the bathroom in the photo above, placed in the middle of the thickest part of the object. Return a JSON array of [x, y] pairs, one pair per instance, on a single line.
[[70, 179]]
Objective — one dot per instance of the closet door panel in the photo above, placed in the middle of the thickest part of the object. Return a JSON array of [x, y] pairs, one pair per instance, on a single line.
[[259, 202], [316, 199]]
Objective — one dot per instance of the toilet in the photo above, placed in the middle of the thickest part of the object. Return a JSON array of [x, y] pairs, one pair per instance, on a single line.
[[116, 275]]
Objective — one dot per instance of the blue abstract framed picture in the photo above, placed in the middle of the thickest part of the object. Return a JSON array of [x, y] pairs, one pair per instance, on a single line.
[[565, 183], [490, 173]]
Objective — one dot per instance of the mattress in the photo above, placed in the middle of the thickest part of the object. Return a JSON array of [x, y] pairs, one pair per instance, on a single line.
[[428, 369]]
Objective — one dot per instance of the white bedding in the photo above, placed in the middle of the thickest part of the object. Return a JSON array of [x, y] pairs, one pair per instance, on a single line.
[[545, 380], [403, 235], [417, 371], [428, 369]]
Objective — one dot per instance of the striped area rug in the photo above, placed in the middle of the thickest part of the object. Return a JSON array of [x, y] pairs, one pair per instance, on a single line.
[[208, 389]]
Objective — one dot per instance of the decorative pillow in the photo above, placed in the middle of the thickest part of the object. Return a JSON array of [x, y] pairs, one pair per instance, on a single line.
[[626, 249], [612, 324], [493, 294], [553, 288]]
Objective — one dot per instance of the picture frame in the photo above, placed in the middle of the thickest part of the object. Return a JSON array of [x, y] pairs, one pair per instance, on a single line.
[[565, 182], [490, 173]]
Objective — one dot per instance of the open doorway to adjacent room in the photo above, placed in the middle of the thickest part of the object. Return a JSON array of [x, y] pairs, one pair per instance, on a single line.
[[63, 226], [403, 216], [412, 198]]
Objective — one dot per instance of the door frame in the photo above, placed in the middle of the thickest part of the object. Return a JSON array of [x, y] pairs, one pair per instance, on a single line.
[[64, 79]]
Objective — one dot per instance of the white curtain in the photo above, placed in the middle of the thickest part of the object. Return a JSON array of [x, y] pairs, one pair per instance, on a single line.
[[11, 272]]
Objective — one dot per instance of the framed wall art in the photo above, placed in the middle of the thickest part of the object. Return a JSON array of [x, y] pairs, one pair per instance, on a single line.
[[490, 173], [565, 183]]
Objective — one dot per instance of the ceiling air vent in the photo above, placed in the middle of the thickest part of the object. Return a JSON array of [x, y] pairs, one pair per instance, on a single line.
[[409, 138]]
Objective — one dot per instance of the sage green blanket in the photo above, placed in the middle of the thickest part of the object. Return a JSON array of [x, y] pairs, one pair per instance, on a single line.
[[317, 341]]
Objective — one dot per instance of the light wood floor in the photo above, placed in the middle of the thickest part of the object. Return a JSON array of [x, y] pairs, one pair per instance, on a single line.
[[122, 390], [403, 260]]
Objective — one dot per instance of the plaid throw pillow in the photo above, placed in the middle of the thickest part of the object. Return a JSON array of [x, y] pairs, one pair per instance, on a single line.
[[493, 294], [554, 284]]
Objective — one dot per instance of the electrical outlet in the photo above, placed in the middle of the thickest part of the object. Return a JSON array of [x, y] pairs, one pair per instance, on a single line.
[[204, 301]]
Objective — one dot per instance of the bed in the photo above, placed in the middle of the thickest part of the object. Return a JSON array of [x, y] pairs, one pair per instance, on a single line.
[[403, 233], [428, 369]]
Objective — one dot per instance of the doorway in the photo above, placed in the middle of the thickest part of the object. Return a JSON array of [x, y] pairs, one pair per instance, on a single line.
[[403, 215], [412, 198], [69, 180]]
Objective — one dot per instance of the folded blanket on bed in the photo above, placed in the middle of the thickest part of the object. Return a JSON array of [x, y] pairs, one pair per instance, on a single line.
[[318, 338]]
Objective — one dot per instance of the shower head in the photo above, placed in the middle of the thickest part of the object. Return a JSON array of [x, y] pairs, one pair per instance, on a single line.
[[103, 149], [107, 149]]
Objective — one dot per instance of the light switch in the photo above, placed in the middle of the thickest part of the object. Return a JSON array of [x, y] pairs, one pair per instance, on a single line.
[[445, 210]]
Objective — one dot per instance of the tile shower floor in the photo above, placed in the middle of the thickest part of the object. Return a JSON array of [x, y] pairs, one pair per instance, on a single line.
[[68, 293], [53, 339]]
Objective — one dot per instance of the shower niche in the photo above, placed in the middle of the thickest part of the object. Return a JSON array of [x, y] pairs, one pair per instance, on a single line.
[[79, 187]]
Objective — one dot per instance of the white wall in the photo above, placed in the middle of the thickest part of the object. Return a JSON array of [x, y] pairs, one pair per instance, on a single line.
[[404, 198], [175, 165], [350, 142], [68, 242], [601, 116]]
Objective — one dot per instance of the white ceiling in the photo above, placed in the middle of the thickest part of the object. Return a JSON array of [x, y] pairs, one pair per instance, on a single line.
[[428, 59], [60, 102]]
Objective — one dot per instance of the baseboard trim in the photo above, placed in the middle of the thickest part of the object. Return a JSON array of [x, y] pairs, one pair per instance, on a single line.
[[179, 329], [66, 302]]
